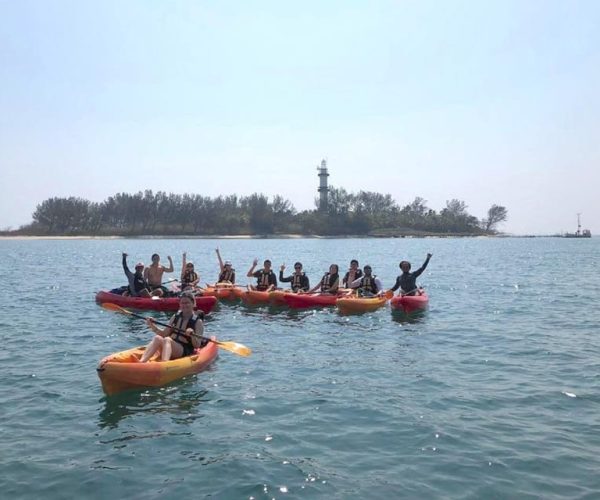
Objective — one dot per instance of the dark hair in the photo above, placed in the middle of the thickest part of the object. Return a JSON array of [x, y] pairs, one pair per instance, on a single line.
[[155, 255], [404, 262], [367, 267], [337, 269], [189, 296], [298, 264], [354, 261], [265, 262]]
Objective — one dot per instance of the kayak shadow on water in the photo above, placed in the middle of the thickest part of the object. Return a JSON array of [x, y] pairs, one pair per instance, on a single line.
[[412, 318], [181, 399]]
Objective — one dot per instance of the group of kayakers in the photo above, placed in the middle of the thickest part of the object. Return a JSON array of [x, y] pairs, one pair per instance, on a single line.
[[184, 333], [147, 281]]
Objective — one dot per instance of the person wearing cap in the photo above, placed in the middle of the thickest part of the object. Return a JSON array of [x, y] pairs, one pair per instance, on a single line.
[[265, 277], [353, 274], [227, 274], [368, 285], [138, 286], [189, 277], [298, 279]]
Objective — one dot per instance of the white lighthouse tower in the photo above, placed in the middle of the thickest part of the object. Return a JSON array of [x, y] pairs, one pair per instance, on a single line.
[[323, 188]]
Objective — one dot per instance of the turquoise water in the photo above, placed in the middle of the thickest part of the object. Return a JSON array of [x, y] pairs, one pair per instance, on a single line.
[[492, 393]]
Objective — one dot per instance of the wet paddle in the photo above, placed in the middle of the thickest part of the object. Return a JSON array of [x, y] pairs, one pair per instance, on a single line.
[[235, 347]]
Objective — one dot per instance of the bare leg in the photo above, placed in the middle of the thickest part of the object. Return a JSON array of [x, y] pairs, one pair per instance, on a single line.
[[171, 350], [155, 345]]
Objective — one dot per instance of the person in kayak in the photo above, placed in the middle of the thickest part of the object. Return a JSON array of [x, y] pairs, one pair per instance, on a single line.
[[154, 272], [368, 285], [189, 277], [329, 283], [265, 277], [298, 279], [407, 281], [138, 286], [353, 274], [172, 343], [227, 274]]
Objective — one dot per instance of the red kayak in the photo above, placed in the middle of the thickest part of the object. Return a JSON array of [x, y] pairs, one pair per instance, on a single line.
[[306, 300], [410, 303], [155, 304]]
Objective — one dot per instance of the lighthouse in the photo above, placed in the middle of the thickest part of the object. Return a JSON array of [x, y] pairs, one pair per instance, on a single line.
[[323, 189]]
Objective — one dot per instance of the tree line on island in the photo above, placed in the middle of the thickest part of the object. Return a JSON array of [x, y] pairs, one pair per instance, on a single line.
[[149, 213]]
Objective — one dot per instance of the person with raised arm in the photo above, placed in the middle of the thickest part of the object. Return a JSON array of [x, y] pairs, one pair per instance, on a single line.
[[407, 281], [153, 274], [138, 286], [298, 279], [227, 273], [265, 277]]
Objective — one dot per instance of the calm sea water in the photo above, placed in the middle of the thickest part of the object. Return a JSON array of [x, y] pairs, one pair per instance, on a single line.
[[493, 393]]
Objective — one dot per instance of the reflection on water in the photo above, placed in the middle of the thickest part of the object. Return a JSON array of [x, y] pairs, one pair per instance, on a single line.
[[181, 399], [415, 317]]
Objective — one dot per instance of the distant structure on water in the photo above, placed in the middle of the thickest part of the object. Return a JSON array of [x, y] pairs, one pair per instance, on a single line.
[[585, 233], [323, 188]]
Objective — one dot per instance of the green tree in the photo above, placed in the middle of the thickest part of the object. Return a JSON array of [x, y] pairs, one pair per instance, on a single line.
[[495, 215]]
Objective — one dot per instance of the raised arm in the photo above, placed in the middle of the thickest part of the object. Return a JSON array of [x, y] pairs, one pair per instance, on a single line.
[[221, 265], [281, 278], [423, 267], [250, 273], [128, 273], [171, 268], [183, 263]]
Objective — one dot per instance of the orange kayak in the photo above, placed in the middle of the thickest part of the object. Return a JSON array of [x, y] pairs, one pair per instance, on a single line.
[[349, 305], [254, 297], [223, 291], [121, 372]]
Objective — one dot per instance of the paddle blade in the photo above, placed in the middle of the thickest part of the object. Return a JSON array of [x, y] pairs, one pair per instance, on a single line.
[[114, 307], [235, 347]]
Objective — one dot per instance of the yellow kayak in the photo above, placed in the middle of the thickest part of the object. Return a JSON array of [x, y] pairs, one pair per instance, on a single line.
[[349, 305], [122, 371]]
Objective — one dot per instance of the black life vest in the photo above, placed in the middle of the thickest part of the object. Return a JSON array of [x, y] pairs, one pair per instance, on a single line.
[[328, 280], [227, 275], [179, 337], [263, 280], [298, 281], [367, 283], [139, 283], [188, 278]]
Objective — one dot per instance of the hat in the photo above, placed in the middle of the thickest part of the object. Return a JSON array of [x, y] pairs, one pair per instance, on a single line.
[[139, 264], [227, 263]]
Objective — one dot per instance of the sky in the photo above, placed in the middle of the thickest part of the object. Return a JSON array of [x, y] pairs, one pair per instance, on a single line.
[[493, 102]]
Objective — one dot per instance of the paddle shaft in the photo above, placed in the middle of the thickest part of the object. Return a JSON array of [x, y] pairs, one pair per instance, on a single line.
[[179, 330]]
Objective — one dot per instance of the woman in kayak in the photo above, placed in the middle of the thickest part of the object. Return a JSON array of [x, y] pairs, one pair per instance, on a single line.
[[298, 279], [181, 337], [330, 281], [407, 281], [227, 274], [189, 277]]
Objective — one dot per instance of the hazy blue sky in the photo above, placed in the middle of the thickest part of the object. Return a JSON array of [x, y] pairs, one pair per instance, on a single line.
[[487, 102]]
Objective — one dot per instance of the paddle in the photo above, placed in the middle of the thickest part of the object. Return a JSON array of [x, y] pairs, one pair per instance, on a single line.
[[235, 347]]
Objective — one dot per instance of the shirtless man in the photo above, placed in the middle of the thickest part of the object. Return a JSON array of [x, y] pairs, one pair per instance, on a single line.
[[153, 274]]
